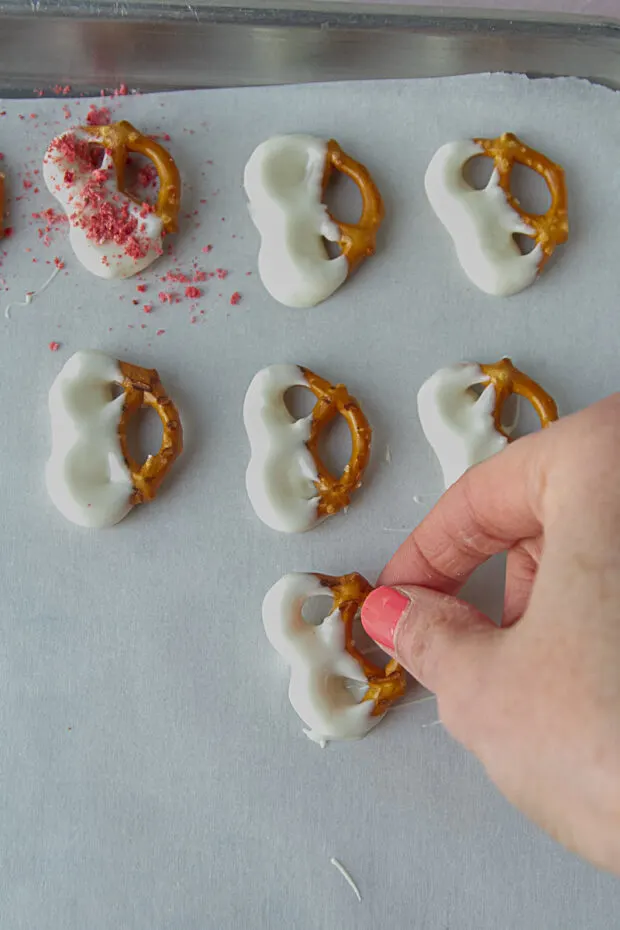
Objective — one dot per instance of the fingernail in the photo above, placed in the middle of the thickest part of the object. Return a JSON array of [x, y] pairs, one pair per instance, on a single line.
[[381, 612]]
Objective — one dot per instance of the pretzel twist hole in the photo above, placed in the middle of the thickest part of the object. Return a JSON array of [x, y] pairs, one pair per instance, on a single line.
[[357, 240], [385, 685], [144, 389], [507, 380], [121, 138], [335, 493], [549, 229]]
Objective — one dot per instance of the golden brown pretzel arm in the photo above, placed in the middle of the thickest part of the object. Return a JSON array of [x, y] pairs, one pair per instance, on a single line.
[[120, 138], [335, 493], [385, 685], [508, 380], [550, 228], [358, 240], [143, 388]]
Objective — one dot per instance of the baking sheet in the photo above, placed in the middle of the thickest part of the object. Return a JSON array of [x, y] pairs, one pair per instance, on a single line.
[[153, 773]]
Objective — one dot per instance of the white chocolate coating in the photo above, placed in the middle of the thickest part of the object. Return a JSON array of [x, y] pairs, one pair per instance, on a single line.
[[318, 661], [480, 222], [284, 184], [104, 258], [86, 476], [281, 473], [459, 425]]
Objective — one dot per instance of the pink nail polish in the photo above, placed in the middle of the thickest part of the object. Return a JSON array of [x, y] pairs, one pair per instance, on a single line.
[[381, 612]]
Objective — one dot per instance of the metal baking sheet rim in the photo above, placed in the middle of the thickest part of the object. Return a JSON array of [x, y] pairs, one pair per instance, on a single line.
[[184, 45]]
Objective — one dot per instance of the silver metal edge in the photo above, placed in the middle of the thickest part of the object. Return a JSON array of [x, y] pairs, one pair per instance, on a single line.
[[155, 45]]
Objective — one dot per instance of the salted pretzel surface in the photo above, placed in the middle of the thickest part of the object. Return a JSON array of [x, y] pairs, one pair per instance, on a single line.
[[385, 685], [143, 388], [507, 380], [120, 139], [335, 493], [550, 229], [357, 240]]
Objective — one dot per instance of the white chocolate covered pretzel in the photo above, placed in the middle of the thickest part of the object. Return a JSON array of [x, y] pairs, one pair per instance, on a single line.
[[323, 659], [285, 180], [91, 476], [483, 223], [288, 485], [464, 428]]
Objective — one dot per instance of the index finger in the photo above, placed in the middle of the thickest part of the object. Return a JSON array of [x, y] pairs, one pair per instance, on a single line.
[[493, 506]]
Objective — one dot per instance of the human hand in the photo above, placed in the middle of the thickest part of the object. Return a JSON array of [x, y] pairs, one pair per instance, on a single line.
[[538, 701]]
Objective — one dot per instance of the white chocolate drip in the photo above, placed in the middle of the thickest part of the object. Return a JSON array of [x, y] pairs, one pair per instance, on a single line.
[[87, 477], [281, 473]]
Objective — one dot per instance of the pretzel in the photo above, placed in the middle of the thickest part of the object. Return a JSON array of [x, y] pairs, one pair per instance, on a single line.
[[121, 138], [507, 380], [91, 475], [144, 389], [385, 685], [335, 493], [357, 240], [285, 180], [551, 228]]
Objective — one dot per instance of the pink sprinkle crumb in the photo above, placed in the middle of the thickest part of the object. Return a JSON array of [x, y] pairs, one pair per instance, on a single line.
[[235, 299], [148, 176], [59, 263], [54, 346], [98, 116], [141, 288], [147, 308], [160, 332], [207, 248], [165, 297], [193, 292], [221, 273], [200, 276], [176, 276]]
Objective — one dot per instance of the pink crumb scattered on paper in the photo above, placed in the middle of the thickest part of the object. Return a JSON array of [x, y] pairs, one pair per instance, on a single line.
[[54, 346], [98, 116], [235, 299]]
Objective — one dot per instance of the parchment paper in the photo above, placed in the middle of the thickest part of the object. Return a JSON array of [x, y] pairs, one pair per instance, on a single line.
[[153, 773]]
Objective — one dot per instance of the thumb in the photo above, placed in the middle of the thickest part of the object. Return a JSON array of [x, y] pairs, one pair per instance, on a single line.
[[445, 643]]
